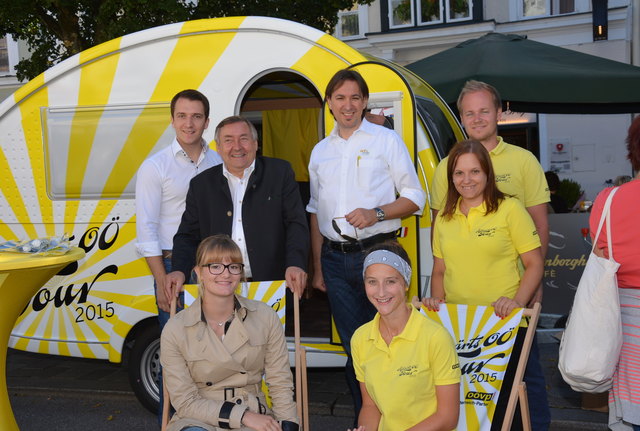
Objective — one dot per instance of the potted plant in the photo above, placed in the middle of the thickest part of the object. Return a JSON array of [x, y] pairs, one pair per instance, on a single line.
[[430, 10], [571, 191], [402, 13], [459, 8]]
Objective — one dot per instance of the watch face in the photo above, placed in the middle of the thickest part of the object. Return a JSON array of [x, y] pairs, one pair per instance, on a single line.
[[379, 214]]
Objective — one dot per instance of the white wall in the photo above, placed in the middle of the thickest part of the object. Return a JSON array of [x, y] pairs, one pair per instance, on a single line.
[[597, 146]]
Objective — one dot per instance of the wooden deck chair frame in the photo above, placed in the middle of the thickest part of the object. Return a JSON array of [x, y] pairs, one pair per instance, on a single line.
[[302, 394], [518, 392], [166, 406]]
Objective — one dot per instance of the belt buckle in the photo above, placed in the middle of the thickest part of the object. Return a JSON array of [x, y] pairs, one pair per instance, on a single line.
[[232, 391]]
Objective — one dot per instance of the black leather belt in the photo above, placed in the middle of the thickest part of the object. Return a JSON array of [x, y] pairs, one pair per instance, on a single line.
[[353, 246]]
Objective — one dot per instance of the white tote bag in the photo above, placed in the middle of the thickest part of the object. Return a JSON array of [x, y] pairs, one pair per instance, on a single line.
[[590, 345]]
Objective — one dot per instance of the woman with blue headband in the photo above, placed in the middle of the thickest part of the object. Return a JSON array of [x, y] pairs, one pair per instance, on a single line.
[[406, 364]]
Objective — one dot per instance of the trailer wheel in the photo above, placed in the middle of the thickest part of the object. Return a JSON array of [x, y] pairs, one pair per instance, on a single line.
[[144, 366]]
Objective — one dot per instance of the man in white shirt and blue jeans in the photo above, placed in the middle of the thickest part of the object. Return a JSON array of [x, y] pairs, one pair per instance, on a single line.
[[161, 189], [363, 182]]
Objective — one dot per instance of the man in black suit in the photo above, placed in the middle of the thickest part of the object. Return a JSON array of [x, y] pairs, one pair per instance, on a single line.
[[256, 201]]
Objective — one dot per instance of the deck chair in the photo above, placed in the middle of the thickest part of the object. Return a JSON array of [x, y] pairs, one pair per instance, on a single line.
[[466, 324], [518, 394], [166, 406], [272, 292]]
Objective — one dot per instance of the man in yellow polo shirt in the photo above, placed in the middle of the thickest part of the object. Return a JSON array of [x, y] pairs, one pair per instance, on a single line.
[[519, 174], [401, 378]]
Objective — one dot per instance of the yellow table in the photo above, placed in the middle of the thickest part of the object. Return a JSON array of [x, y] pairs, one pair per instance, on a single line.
[[21, 275]]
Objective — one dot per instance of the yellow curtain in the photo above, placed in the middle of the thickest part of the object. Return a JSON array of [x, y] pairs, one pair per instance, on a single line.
[[290, 134]]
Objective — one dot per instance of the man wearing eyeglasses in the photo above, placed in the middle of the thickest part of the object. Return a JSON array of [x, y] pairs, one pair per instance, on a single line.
[[362, 183], [254, 200]]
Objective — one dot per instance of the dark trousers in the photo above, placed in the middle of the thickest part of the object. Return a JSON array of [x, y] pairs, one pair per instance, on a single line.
[[536, 389], [350, 307]]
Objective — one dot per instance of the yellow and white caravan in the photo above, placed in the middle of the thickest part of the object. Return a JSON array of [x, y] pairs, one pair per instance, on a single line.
[[72, 139]]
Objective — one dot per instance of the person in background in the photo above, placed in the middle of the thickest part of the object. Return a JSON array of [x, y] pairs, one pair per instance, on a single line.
[[479, 236], [215, 353], [161, 189], [621, 179], [557, 204], [400, 338], [624, 397]]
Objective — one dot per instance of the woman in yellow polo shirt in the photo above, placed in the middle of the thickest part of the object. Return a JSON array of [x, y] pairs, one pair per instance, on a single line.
[[479, 237], [477, 240], [406, 364]]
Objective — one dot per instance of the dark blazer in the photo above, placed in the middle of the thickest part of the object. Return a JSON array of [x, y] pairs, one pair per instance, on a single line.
[[274, 221]]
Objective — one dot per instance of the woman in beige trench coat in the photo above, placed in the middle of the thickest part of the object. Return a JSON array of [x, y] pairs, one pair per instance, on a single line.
[[215, 353]]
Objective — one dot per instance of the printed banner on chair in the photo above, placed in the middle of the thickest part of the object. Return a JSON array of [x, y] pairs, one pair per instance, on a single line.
[[484, 343], [269, 292]]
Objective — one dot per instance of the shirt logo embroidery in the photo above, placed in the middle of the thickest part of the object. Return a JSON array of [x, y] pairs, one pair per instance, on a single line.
[[486, 232], [408, 370], [503, 178]]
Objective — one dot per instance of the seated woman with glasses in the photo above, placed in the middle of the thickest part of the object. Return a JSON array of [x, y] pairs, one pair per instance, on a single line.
[[215, 352], [406, 363]]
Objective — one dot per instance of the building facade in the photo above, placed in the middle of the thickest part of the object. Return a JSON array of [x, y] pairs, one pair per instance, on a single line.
[[9, 56], [405, 31]]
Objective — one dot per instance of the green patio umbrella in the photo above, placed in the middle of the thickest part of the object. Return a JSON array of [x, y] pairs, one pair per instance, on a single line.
[[533, 76]]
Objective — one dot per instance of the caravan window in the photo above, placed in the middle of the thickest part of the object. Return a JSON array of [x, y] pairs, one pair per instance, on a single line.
[[440, 132], [94, 152]]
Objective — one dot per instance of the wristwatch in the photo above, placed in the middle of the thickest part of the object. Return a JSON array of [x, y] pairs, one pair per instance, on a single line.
[[379, 214]]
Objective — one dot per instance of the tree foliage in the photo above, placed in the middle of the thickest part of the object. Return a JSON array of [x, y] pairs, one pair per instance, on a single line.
[[57, 29]]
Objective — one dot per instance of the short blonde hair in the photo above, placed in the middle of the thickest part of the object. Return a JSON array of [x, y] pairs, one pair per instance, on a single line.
[[473, 86]]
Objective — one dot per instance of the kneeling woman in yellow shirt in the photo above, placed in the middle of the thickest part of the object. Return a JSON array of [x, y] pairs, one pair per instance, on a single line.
[[478, 238], [406, 364]]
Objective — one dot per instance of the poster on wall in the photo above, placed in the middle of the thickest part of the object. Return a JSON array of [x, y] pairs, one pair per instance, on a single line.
[[560, 155]]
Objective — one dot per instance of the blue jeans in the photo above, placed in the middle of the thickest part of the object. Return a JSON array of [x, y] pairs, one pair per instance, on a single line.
[[635, 427], [350, 307], [193, 428], [163, 318]]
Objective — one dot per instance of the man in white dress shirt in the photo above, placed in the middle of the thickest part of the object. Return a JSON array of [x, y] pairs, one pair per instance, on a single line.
[[161, 189], [362, 183]]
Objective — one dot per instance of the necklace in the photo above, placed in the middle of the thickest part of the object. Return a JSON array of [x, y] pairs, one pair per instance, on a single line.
[[225, 321]]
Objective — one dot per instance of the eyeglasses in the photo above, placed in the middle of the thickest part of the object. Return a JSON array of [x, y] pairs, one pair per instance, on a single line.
[[335, 226], [218, 268]]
